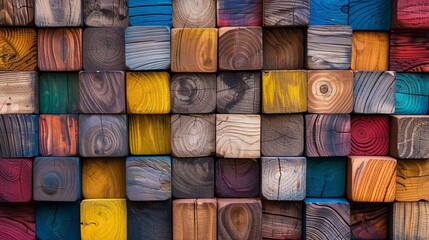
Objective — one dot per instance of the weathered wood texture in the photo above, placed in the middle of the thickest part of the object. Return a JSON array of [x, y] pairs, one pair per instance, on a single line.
[[238, 136], [412, 180], [410, 14], [278, 13], [64, 13], [328, 135], [194, 219], [283, 178], [59, 92], [102, 92], [16, 179], [18, 221], [193, 92], [56, 179], [103, 178], [239, 219], [150, 134], [59, 49], [284, 91], [409, 220], [18, 49], [150, 13], [374, 92], [193, 135], [235, 13], [194, 49], [193, 177], [147, 48], [332, 12], [409, 51], [369, 220], [283, 48], [148, 178], [412, 93], [240, 48], [238, 92], [409, 137], [112, 13], [370, 135], [194, 13], [58, 135], [103, 135], [374, 15], [371, 178], [17, 13], [329, 47], [281, 220], [326, 177], [370, 51], [330, 91], [237, 178], [19, 136], [56, 220], [19, 92]]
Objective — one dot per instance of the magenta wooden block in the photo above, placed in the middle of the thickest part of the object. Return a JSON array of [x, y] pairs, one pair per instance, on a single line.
[[17, 221], [16, 179]]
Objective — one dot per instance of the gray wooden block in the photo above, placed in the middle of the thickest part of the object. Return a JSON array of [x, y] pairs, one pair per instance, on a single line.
[[286, 13], [111, 13], [64, 13]]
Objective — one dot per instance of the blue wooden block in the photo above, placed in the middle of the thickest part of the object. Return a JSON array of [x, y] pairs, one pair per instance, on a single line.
[[412, 93], [370, 14], [58, 220], [19, 136], [150, 12], [332, 12], [326, 177]]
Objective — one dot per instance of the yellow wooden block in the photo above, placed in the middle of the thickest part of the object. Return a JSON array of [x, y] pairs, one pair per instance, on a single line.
[[150, 134], [103, 219], [284, 91], [370, 51], [148, 92]]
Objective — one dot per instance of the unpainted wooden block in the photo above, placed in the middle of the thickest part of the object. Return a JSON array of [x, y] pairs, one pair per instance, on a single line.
[[58, 135], [234, 13], [194, 14], [409, 220], [370, 135], [19, 49], [58, 220], [372, 15], [18, 220], [16, 179], [281, 220], [64, 13], [19, 136], [409, 50], [19, 92], [326, 177], [412, 93], [412, 180], [286, 13], [150, 13], [410, 14], [105, 13], [59, 92], [369, 220], [17, 13]]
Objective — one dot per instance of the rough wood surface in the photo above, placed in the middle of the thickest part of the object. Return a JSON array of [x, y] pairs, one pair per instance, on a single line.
[[234, 13], [281, 220], [150, 13], [57, 220], [410, 14], [64, 13], [18, 221], [19, 136], [194, 13], [58, 135], [278, 13], [412, 180], [16, 179], [369, 220], [18, 49], [59, 92], [112, 13], [331, 12], [370, 135], [16, 12], [373, 15], [370, 51], [326, 177], [409, 220], [412, 93], [409, 50], [19, 92]]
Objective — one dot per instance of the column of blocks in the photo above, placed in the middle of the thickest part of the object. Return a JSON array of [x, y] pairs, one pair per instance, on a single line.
[[105, 13], [412, 180], [20, 13], [58, 220], [281, 220], [286, 13], [18, 221], [16, 179], [369, 220], [19, 48], [19, 92], [58, 135], [412, 93], [326, 177]]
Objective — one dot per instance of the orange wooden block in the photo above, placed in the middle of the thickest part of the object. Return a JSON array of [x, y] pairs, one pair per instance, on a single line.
[[370, 51], [18, 49], [58, 135]]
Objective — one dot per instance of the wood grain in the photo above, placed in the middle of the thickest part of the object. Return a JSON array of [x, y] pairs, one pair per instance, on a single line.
[[150, 13], [19, 92], [16, 179], [373, 15], [194, 13], [65, 13], [234, 13], [58, 135], [369, 220], [412, 93], [19, 136], [410, 14], [281, 220], [409, 50], [326, 177], [278, 13], [18, 49], [409, 220], [59, 92], [17, 13], [18, 221], [331, 12], [105, 13], [370, 51], [370, 135], [58, 220], [412, 178]]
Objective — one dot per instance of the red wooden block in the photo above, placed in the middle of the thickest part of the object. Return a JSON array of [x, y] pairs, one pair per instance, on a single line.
[[370, 135], [16, 180], [410, 14], [409, 50], [17, 221]]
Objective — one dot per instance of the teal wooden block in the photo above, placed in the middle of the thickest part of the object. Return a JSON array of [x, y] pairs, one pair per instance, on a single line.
[[59, 92], [412, 93], [326, 177], [19, 136], [370, 14], [332, 12], [150, 12]]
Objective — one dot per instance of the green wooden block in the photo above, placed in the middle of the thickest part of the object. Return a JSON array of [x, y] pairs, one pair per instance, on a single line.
[[326, 177], [59, 92]]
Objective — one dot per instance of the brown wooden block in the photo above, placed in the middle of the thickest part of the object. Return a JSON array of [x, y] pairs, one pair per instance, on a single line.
[[409, 50], [281, 220], [370, 51], [105, 13], [19, 49], [194, 14], [18, 221], [409, 220], [410, 14], [412, 180], [17, 13], [58, 135], [16, 179], [64, 13], [19, 92], [19, 135], [369, 220], [286, 13]]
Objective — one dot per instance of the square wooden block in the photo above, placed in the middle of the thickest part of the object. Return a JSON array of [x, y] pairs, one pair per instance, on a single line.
[[59, 92], [334, 12], [17, 13], [409, 136], [19, 136], [370, 51], [194, 14], [105, 13], [235, 13], [150, 13], [64, 13], [410, 14], [371, 179], [19, 49], [149, 220], [370, 135], [238, 136], [409, 50], [18, 221], [58, 135], [19, 92], [58, 220], [326, 177], [281, 220], [16, 179], [373, 15], [148, 178], [412, 93], [412, 180], [56, 179], [369, 220], [286, 13], [409, 220]]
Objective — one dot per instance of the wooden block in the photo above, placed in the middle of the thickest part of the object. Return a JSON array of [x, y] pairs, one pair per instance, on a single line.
[[369, 220], [334, 12], [19, 136], [236, 13], [64, 13], [60, 49], [149, 220], [240, 48], [327, 135], [326, 177], [409, 220], [193, 92], [409, 137], [194, 219], [239, 219], [18, 221], [412, 93], [194, 50], [103, 178], [370, 135], [373, 15], [103, 135], [284, 91], [237, 178], [367, 89], [59, 92], [148, 92], [16, 179], [286, 13], [281, 220], [370, 51], [150, 134], [56, 179], [330, 91], [410, 14], [103, 49], [409, 51], [238, 92], [58, 135], [329, 47], [193, 135], [283, 48], [148, 178], [282, 135], [147, 48], [412, 180], [150, 13], [17, 13], [19, 49], [283, 178], [193, 177], [105, 13], [238, 136], [58, 220], [194, 14], [102, 92], [19, 92], [371, 178], [103, 219]]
